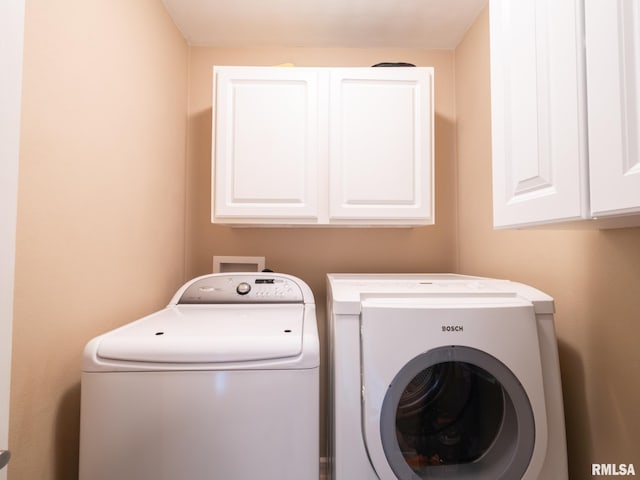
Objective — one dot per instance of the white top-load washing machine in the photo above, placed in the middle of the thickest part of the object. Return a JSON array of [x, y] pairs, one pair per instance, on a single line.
[[443, 377], [222, 384]]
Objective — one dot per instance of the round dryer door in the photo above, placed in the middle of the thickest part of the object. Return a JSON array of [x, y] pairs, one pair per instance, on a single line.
[[457, 413]]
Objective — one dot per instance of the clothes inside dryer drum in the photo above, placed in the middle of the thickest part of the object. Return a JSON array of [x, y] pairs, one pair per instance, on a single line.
[[449, 413], [457, 413]]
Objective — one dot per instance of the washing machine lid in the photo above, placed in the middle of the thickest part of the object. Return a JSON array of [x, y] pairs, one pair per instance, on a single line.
[[208, 334]]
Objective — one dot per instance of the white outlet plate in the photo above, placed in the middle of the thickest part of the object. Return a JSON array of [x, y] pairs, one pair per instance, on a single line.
[[222, 264]]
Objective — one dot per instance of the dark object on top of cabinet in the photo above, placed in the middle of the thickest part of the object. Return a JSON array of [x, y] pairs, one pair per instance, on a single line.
[[393, 64]]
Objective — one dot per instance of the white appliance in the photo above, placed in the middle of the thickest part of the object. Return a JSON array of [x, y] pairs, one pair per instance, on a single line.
[[443, 377], [221, 384]]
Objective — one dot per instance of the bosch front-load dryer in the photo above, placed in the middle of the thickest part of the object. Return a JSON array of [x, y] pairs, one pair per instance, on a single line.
[[222, 384], [443, 377]]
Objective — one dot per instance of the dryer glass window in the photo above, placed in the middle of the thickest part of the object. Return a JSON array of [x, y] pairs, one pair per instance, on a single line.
[[457, 413], [449, 413]]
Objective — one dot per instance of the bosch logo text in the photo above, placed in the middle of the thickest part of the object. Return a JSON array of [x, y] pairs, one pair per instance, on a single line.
[[452, 328]]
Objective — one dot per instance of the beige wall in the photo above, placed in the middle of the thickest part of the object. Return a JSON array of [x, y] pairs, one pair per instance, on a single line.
[[311, 253], [101, 203], [593, 275]]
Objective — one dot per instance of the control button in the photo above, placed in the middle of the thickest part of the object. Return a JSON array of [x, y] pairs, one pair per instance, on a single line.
[[243, 288]]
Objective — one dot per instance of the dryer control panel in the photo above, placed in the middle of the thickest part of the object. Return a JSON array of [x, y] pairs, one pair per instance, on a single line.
[[242, 288]]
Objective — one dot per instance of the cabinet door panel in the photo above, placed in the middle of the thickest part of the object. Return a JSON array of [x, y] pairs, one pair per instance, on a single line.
[[267, 143], [537, 95], [380, 144], [613, 70]]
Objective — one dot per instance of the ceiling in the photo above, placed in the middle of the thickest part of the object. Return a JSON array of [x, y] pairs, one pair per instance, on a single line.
[[324, 23]]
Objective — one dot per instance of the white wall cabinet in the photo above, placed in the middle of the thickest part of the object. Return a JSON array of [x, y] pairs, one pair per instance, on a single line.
[[613, 73], [323, 146], [266, 143], [538, 130], [560, 122]]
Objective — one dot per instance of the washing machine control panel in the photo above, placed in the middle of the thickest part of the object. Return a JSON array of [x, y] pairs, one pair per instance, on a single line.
[[242, 288]]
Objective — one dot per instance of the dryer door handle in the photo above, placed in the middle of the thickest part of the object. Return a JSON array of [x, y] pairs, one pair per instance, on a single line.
[[5, 455]]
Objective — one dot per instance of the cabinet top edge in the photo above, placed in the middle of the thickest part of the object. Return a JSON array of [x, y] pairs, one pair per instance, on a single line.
[[356, 68]]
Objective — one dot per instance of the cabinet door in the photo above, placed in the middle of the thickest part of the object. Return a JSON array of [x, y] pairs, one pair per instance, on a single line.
[[613, 72], [266, 143], [538, 117], [381, 145]]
